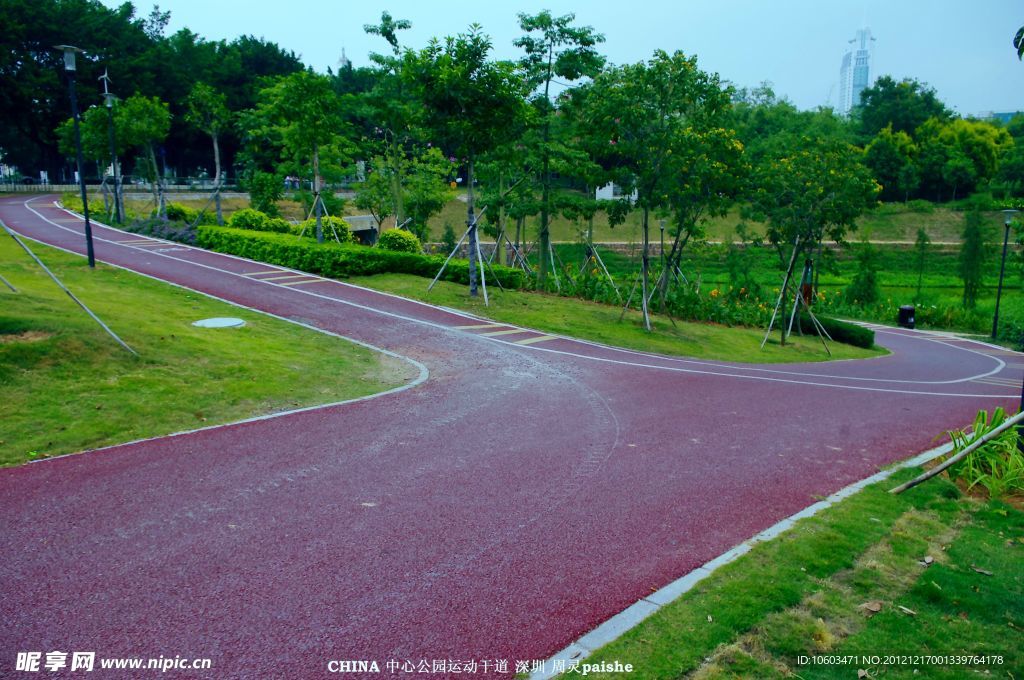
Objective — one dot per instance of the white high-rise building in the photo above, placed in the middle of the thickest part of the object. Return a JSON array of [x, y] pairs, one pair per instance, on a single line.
[[855, 73]]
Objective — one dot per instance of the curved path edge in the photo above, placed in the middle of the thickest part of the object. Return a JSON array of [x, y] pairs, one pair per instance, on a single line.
[[633, 615]]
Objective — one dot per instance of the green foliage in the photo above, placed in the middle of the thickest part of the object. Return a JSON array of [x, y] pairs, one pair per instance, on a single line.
[[448, 238], [333, 227], [890, 156], [903, 106], [340, 261], [921, 257], [840, 331], [813, 192], [426, 190], [265, 190], [248, 218], [864, 290], [972, 257], [997, 465], [181, 213], [400, 241]]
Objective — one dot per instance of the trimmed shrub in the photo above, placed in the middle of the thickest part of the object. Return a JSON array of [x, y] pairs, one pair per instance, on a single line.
[[339, 261], [181, 213], [840, 331], [400, 241], [247, 218], [326, 222]]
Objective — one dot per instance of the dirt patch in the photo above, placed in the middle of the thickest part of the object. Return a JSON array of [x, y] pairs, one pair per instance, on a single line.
[[26, 336]]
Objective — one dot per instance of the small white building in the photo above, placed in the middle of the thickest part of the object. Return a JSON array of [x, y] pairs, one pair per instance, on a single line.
[[613, 191]]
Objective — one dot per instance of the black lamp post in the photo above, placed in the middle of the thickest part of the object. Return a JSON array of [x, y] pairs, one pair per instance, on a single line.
[[1008, 215], [108, 98], [69, 68]]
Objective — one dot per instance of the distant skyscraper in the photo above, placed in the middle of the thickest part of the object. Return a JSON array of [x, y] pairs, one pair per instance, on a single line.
[[344, 62], [855, 73]]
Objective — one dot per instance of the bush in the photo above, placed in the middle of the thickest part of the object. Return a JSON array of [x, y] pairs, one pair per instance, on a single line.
[[400, 241], [339, 261], [840, 331], [72, 201], [265, 190], [308, 229], [997, 465], [247, 218], [919, 206], [864, 289], [181, 213], [160, 228]]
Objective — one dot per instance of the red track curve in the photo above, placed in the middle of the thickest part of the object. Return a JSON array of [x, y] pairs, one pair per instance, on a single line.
[[516, 499]]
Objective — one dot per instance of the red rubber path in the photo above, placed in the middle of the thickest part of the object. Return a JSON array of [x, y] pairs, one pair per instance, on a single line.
[[513, 501]]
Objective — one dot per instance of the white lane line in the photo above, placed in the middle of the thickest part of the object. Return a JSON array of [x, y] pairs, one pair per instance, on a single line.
[[914, 335], [673, 369]]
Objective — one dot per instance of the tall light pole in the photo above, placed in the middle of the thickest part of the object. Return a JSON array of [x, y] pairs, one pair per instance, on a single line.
[[1008, 217], [108, 98], [69, 68]]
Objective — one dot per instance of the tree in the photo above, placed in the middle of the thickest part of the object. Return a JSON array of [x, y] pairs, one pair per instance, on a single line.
[[554, 47], [888, 155], [469, 102], [374, 193], [921, 256], [392, 111], [208, 111], [904, 105], [972, 257], [304, 112], [143, 123], [815, 191], [657, 127], [427, 190]]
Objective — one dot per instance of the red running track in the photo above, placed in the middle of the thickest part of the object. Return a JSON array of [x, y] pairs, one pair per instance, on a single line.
[[515, 499]]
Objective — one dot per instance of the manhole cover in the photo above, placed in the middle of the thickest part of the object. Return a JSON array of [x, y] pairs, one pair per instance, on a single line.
[[219, 322]]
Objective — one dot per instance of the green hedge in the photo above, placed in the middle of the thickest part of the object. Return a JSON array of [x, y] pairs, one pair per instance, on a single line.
[[338, 261], [399, 241], [841, 331]]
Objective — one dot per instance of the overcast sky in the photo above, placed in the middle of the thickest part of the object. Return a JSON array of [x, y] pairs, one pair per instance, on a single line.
[[962, 49]]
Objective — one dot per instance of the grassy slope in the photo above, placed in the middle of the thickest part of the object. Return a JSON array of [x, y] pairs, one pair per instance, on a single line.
[[802, 594], [67, 386], [600, 323], [890, 222]]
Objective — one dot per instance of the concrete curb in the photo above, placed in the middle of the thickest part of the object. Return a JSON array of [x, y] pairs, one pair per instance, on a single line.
[[631, 616]]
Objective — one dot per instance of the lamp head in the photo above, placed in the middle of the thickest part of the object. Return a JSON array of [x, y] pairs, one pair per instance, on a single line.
[[69, 55]]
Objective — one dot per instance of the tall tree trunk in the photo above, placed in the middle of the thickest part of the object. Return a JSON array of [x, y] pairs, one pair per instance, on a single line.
[[396, 183], [157, 186], [646, 264], [317, 201], [216, 179], [545, 236], [471, 225]]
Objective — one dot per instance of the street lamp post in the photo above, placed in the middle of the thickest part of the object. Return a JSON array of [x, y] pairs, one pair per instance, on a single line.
[[1008, 215], [69, 68], [109, 100]]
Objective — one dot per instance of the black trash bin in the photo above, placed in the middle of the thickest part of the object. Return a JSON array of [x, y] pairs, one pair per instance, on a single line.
[[906, 319]]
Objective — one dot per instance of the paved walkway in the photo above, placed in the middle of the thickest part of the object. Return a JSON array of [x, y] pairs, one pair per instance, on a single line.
[[529, 489]]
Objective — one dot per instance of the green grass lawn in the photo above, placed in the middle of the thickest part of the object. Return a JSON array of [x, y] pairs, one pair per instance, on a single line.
[[600, 323], [888, 222], [66, 386], [813, 590]]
